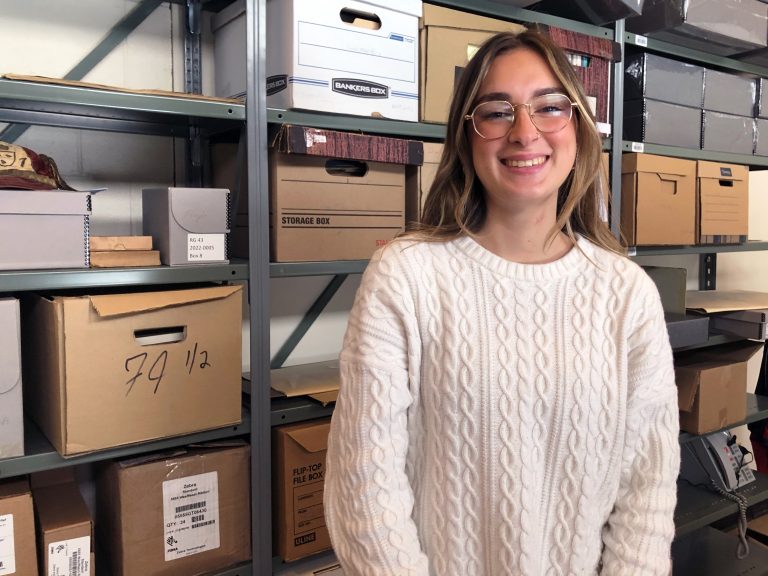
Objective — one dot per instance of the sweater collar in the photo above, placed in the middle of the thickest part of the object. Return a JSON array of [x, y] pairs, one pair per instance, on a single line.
[[575, 259]]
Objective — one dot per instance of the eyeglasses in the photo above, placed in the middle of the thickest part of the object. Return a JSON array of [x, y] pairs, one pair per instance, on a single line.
[[548, 113]]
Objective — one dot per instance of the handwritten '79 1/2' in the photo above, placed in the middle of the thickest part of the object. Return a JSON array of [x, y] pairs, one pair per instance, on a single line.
[[157, 367]]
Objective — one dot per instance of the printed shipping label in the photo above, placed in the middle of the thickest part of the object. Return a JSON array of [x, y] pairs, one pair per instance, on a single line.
[[205, 247], [191, 515], [7, 554], [70, 557]]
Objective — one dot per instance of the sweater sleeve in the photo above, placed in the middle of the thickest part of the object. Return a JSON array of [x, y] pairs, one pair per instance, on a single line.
[[639, 532], [368, 498]]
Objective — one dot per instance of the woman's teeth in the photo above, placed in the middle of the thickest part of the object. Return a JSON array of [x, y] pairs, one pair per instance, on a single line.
[[525, 163]]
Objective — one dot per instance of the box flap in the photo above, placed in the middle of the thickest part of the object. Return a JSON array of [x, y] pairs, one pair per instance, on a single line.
[[448, 18], [10, 353], [292, 139], [708, 301], [410, 7], [190, 209], [687, 380], [306, 379], [661, 165], [719, 171], [312, 438], [325, 398], [44, 202], [116, 304]]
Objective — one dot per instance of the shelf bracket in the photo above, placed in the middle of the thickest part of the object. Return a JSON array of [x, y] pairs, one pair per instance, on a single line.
[[309, 318], [708, 271], [114, 37]]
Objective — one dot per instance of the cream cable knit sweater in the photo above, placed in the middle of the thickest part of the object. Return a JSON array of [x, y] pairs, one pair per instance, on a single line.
[[503, 419]]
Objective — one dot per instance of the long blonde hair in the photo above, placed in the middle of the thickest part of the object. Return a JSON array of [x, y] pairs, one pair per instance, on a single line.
[[455, 205]]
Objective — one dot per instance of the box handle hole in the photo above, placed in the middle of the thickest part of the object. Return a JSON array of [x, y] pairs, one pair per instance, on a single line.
[[361, 19], [167, 335], [726, 183], [353, 168]]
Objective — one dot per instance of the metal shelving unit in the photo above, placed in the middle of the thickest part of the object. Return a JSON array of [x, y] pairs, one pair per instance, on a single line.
[[21, 280], [40, 455], [750, 246], [698, 506]]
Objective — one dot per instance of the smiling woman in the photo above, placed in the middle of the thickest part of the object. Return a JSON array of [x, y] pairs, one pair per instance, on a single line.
[[507, 402]]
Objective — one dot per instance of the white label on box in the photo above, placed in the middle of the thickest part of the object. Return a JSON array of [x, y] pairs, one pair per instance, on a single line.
[[191, 515], [7, 551], [641, 40], [205, 247], [70, 557], [638, 147]]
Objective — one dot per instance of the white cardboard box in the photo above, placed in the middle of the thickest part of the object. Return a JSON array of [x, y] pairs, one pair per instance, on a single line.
[[11, 407], [348, 57]]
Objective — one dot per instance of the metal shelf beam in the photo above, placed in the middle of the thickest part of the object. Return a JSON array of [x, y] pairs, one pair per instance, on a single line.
[[40, 455], [759, 162], [750, 246], [19, 280]]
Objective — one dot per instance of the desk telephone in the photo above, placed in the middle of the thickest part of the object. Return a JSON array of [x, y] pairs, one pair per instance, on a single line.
[[716, 457]]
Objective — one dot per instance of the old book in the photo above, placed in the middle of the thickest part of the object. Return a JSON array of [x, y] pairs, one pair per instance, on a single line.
[[103, 243], [120, 258]]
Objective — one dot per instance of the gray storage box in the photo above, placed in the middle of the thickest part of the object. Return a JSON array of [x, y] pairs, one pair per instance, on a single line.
[[189, 226], [718, 26], [595, 11], [727, 133], [44, 229], [761, 110], [11, 406], [761, 137], [657, 122], [650, 76], [729, 93]]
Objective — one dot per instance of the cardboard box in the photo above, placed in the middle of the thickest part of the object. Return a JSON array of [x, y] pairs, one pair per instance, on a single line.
[[188, 225], [298, 470], [722, 204], [229, 50], [723, 27], [182, 513], [729, 93], [125, 258], [592, 59], [657, 122], [727, 133], [349, 57], [44, 229], [11, 406], [18, 548], [658, 200], [113, 369], [419, 180], [449, 38], [648, 75], [336, 195], [64, 525], [712, 386]]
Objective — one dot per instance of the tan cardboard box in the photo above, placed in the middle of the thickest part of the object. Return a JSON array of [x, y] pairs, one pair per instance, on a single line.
[[336, 195], [712, 385], [11, 404], [298, 477], [722, 209], [64, 525], [114, 369], [181, 513], [658, 200], [448, 40], [18, 552]]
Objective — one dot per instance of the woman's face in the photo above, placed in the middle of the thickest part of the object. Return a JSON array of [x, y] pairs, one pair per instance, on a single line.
[[526, 167]]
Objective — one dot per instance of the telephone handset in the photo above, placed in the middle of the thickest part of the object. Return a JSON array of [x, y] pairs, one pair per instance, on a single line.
[[716, 457]]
